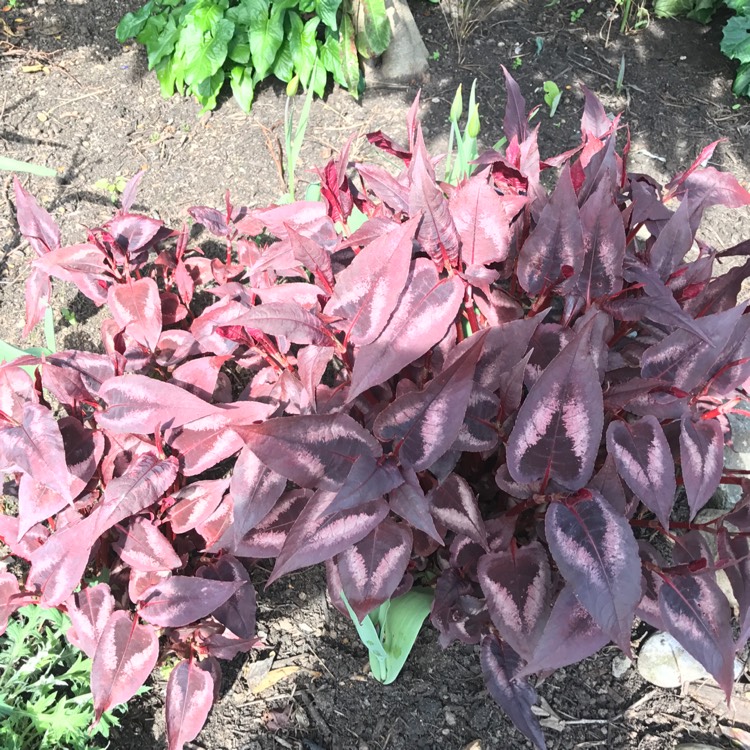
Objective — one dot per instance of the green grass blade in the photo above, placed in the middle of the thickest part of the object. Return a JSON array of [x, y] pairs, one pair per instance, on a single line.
[[13, 165]]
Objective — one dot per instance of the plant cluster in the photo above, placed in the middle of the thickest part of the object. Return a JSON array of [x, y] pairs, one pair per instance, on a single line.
[[735, 43], [486, 389], [45, 698], [195, 46]]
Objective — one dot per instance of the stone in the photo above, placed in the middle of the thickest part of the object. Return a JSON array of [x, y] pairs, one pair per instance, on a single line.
[[406, 58], [735, 457], [663, 662], [620, 665]]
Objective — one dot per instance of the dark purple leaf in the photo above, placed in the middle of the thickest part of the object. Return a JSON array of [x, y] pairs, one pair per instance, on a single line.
[[371, 569], [210, 218], [125, 655], [368, 480], [697, 614], [596, 553], [386, 187], [570, 635], [368, 290], [594, 121], [607, 483], [736, 550], [427, 306], [181, 600], [312, 451], [514, 122], [238, 612], [453, 504], [409, 501], [89, 611], [551, 255], [518, 586], [131, 189], [644, 460], [422, 425], [701, 459], [500, 665], [268, 537], [559, 425], [190, 695]]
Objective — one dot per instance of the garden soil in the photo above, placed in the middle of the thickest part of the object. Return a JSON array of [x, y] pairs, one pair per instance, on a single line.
[[72, 98]]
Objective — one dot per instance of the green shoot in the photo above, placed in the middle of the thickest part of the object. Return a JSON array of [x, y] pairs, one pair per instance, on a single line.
[[552, 96]]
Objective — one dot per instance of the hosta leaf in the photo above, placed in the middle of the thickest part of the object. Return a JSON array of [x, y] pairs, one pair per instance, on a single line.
[[500, 665], [125, 655], [437, 232], [423, 424], [266, 36], [371, 569], [570, 635], [551, 255], [644, 461], [597, 554], [701, 459], [697, 614], [517, 585], [190, 695], [312, 451], [368, 290], [89, 611], [316, 536], [181, 600], [427, 306], [559, 425]]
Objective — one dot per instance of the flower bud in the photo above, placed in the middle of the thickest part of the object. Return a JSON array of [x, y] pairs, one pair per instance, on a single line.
[[457, 107], [472, 127], [293, 86]]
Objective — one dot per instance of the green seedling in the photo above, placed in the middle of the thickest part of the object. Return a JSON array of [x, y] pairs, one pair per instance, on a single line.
[[390, 631], [294, 137], [517, 62], [113, 188], [436, 55], [620, 75], [552, 96], [575, 15]]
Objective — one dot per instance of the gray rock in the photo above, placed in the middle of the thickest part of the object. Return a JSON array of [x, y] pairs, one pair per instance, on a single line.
[[620, 665], [735, 457], [697, 746], [406, 58]]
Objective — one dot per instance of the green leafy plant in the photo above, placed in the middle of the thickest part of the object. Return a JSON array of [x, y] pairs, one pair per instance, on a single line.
[[465, 144], [517, 62], [196, 46], [114, 188], [552, 96], [294, 137], [45, 699], [390, 631], [735, 43], [575, 15]]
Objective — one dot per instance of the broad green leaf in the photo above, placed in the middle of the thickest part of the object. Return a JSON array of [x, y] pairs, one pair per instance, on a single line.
[[313, 192], [247, 12], [159, 39], [305, 50], [131, 23], [319, 79], [13, 165], [330, 58], [239, 48], [283, 66], [241, 80], [207, 91], [306, 6], [741, 85], [374, 36], [736, 40], [8, 353], [369, 636], [349, 56], [266, 36], [740, 6], [165, 72], [203, 52], [328, 11]]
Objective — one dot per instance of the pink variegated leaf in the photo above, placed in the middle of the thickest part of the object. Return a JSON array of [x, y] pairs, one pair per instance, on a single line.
[[181, 600], [371, 569], [312, 362], [437, 232], [479, 431], [697, 614], [254, 490], [215, 526], [570, 635], [312, 451], [427, 306], [287, 319], [195, 503], [368, 290], [210, 218], [11, 598], [131, 190], [409, 502], [500, 667], [559, 425], [37, 295], [36, 225], [268, 537], [317, 536], [89, 611], [81, 265], [238, 612], [515, 123], [702, 460], [597, 554], [86, 373], [36, 447], [309, 218], [84, 449], [672, 243], [133, 232], [145, 548], [125, 655], [136, 307], [603, 245], [36, 503], [368, 480], [518, 587], [190, 695], [144, 482], [24, 546], [199, 450], [313, 257], [551, 256], [644, 461], [422, 425], [483, 219], [385, 186], [709, 187], [199, 376], [139, 582], [453, 504]]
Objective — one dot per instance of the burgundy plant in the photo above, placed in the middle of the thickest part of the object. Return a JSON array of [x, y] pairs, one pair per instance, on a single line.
[[494, 384]]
